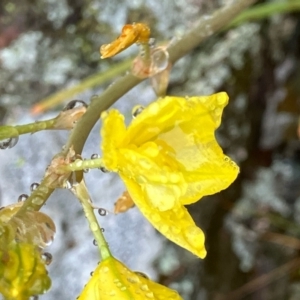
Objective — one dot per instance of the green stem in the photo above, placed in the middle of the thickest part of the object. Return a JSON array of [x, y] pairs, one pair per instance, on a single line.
[[80, 164], [87, 83], [81, 192], [14, 131], [265, 10]]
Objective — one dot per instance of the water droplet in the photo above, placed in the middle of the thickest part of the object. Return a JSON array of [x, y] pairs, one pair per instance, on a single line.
[[95, 242], [141, 274], [112, 293], [22, 197], [34, 297], [104, 170], [92, 273], [123, 288], [160, 60], [119, 284], [149, 295], [37, 200], [102, 229], [144, 287], [86, 170], [47, 257], [102, 212], [105, 270], [95, 156], [137, 110], [156, 217], [8, 143], [34, 186], [94, 226], [75, 104]]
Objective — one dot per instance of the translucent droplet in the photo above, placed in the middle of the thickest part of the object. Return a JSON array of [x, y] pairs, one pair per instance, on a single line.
[[102, 212], [86, 170], [75, 104], [149, 295], [102, 229], [123, 288], [92, 273], [34, 186], [37, 200], [35, 297], [22, 197], [103, 170], [112, 293], [47, 257], [95, 243], [105, 270], [142, 274], [137, 110], [144, 287], [8, 143], [95, 156], [160, 60]]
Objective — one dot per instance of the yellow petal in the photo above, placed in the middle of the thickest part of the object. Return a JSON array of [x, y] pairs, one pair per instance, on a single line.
[[112, 132], [176, 224], [113, 280]]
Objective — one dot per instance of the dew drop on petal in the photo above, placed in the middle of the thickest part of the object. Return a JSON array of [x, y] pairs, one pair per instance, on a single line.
[[194, 236], [105, 269], [8, 143], [92, 273], [34, 186], [149, 295], [137, 110], [47, 257], [75, 104], [141, 274], [144, 287], [104, 170], [102, 212], [22, 197]]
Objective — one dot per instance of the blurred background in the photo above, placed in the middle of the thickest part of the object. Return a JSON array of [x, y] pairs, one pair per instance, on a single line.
[[253, 228]]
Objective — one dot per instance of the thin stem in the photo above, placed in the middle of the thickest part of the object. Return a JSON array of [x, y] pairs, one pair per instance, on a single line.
[[81, 192], [14, 131], [87, 83], [80, 164]]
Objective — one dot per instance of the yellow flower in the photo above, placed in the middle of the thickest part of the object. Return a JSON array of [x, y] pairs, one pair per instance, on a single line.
[[168, 157], [113, 280]]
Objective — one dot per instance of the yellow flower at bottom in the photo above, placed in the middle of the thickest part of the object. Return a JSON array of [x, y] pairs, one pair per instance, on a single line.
[[168, 157], [113, 280]]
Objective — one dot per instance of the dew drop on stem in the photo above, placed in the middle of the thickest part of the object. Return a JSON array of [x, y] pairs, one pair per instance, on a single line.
[[47, 257], [8, 143], [95, 243], [75, 104], [102, 212], [95, 156], [34, 186], [102, 169], [102, 229], [22, 197]]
